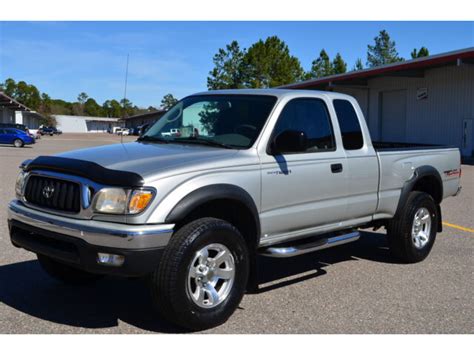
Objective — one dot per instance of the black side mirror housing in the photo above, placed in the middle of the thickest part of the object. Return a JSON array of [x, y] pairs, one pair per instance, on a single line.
[[289, 141]]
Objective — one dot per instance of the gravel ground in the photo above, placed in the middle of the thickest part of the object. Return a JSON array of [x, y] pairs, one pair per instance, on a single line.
[[354, 288]]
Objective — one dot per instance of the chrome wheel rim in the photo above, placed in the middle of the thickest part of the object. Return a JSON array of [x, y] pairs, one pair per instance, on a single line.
[[421, 228], [211, 275], [17, 143]]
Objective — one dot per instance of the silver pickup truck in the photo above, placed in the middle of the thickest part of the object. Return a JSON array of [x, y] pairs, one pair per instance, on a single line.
[[246, 172]]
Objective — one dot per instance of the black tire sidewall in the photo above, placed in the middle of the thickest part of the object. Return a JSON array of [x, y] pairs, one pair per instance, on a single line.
[[189, 314], [417, 201]]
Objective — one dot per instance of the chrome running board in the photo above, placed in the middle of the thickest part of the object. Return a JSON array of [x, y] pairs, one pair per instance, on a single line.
[[287, 251]]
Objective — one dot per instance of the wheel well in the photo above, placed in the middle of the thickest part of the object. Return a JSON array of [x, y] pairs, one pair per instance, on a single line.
[[431, 186], [232, 211]]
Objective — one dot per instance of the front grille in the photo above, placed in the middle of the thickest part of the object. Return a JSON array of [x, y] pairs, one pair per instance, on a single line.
[[53, 193]]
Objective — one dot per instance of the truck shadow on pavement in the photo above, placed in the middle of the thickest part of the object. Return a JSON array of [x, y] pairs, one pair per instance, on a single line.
[[281, 272], [26, 288]]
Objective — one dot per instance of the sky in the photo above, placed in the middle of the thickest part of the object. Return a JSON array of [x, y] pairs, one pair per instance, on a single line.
[[66, 58]]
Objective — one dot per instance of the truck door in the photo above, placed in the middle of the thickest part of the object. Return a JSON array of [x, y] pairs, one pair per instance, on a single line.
[[305, 189], [362, 162]]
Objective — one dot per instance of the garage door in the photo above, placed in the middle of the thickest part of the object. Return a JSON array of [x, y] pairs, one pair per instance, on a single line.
[[393, 115]]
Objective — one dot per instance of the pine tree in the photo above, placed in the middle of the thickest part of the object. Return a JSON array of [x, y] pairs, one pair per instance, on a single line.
[[423, 52], [383, 51], [339, 66], [321, 66], [168, 101], [358, 65], [228, 68], [269, 63]]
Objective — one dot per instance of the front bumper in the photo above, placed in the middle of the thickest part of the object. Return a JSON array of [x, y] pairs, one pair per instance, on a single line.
[[77, 242]]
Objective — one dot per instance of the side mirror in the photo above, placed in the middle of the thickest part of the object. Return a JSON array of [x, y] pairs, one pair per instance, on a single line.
[[289, 141]]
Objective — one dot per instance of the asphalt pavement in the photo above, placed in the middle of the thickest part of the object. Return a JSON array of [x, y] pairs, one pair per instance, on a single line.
[[355, 288]]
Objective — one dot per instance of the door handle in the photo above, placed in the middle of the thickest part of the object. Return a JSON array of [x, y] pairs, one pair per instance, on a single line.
[[336, 168]]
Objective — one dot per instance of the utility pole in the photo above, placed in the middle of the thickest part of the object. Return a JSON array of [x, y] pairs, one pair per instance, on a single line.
[[124, 96]]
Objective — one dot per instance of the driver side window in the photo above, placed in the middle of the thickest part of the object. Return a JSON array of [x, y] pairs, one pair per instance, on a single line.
[[310, 116]]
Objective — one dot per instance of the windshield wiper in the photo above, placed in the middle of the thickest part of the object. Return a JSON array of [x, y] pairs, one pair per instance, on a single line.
[[152, 139], [195, 140]]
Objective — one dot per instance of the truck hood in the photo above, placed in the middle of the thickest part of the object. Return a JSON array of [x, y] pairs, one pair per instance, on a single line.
[[147, 159]]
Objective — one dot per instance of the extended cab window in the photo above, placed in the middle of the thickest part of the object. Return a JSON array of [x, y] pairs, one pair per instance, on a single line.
[[351, 132], [311, 117]]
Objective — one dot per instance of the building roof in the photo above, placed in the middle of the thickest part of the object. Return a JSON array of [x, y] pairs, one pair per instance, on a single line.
[[145, 115], [8, 102], [89, 118], [408, 68]]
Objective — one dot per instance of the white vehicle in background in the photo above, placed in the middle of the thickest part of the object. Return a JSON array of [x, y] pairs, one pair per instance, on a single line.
[[123, 131], [116, 129], [34, 133], [174, 132]]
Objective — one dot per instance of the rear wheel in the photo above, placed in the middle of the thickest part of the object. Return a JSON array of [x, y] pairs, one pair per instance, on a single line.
[[66, 273], [412, 234], [18, 143], [202, 275]]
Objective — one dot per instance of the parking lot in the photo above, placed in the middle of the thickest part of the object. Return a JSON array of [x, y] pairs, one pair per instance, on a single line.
[[355, 288]]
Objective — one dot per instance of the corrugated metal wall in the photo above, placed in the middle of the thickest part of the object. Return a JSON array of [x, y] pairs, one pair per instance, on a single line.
[[6, 115], [437, 119]]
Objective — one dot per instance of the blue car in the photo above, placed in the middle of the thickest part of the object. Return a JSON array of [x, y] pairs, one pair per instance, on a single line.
[[15, 136]]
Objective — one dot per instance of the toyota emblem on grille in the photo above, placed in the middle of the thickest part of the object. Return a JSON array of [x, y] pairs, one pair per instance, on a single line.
[[48, 191]]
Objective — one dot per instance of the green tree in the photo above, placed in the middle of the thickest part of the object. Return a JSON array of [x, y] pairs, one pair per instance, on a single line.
[[127, 108], [383, 51], [423, 52], [112, 108], [168, 101], [82, 98], [28, 95], [92, 108], [321, 66], [46, 104], [269, 63], [228, 71], [9, 87], [339, 66], [358, 65]]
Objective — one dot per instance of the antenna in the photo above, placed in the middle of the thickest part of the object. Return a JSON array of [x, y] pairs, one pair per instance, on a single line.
[[124, 96]]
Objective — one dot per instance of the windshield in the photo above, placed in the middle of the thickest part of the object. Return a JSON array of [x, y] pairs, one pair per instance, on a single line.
[[228, 121]]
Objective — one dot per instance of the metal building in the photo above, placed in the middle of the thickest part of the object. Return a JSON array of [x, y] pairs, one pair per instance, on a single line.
[[85, 124], [11, 111], [144, 118], [425, 100]]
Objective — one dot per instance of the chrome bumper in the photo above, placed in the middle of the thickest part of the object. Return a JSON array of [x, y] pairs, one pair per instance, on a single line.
[[98, 233]]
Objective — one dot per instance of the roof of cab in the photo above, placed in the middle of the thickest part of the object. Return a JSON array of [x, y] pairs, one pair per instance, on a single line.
[[273, 92]]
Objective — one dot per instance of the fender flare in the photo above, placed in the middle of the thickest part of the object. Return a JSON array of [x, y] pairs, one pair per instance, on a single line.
[[419, 173], [209, 193]]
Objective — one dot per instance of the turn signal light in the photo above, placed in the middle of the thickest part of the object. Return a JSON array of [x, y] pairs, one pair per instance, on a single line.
[[139, 200]]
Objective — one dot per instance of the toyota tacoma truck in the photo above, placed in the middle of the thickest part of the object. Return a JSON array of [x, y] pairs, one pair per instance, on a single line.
[[254, 172]]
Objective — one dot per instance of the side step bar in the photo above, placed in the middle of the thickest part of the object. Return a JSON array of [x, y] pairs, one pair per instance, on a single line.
[[308, 247]]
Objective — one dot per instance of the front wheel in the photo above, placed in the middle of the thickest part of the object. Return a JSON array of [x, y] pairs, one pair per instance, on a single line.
[[203, 274], [412, 234], [18, 143]]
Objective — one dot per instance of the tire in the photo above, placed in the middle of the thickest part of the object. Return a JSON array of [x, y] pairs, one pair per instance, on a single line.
[[66, 273], [404, 242], [18, 143], [172, 283]]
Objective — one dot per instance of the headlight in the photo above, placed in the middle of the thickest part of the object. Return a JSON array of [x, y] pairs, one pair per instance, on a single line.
[[121, 201], [111, 200], [20, 181]]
